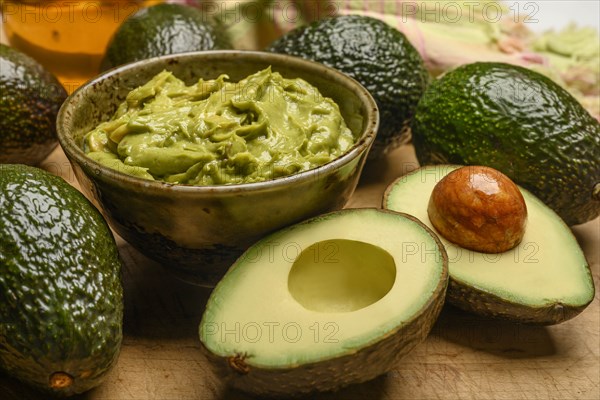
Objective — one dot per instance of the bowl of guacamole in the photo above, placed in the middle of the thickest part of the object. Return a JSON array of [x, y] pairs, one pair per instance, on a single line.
[[193, 157]]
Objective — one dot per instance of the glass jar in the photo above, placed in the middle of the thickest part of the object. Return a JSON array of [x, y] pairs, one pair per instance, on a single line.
[[68, 37]]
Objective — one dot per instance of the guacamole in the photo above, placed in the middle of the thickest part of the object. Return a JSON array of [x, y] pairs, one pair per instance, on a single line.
[[218, 132]]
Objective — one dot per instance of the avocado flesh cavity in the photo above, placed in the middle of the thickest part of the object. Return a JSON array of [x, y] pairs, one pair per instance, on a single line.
[[308, 308], [545, 279], [368, 273]]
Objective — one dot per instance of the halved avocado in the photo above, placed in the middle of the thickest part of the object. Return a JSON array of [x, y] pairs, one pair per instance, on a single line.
[[332, 301], [544, 280]]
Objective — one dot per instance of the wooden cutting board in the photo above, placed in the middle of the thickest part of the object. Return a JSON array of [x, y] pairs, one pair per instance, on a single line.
[[465, 357]]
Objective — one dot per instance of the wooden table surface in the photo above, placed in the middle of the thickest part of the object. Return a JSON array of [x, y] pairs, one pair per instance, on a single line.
[[465, 357]]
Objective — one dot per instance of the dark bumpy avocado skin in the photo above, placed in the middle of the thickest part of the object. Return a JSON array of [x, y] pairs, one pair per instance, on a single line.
[[164, 29], [519, 122], [61, 305], [30, 98], [375, 54]]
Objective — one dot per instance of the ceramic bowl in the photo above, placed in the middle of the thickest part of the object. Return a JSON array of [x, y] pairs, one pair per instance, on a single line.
[[198, 231]]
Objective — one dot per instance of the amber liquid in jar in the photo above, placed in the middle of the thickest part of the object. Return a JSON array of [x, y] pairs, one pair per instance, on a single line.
[[68, 37]]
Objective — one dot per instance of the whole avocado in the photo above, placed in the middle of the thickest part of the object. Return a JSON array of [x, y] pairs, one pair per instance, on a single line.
[[375, 54], [519, 122], [164, 29], [30, 98], [61, 297]]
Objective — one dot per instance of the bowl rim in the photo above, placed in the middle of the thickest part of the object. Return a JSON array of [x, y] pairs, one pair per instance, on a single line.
[[364, 142]]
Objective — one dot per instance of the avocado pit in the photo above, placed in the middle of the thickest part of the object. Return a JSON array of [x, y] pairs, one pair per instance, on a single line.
[[478, 208]]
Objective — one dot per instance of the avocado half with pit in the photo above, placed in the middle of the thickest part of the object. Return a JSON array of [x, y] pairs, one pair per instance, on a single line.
[[332, 301], [545, 279]]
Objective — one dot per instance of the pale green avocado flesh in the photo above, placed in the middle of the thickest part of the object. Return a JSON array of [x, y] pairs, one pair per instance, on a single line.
[[547, 268], [325, 288], [219, 132]]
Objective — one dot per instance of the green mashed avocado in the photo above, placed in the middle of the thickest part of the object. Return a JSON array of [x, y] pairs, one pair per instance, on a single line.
[[217, 132]]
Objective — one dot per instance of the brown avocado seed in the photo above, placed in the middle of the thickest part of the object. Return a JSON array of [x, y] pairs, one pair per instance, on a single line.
[[478, 208]]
